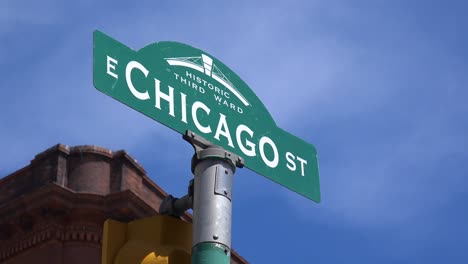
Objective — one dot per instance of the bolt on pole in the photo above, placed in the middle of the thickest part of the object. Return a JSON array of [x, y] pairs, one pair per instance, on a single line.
[[213, 169]]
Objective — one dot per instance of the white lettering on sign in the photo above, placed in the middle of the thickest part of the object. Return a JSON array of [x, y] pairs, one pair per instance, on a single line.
[[111, 66], [244, 136], [223, 130], [201, 85], [160, 95], [251, 151], [270, 163], [303, 162], [292, 164], [128, 78], [183, 103], [199, 105]]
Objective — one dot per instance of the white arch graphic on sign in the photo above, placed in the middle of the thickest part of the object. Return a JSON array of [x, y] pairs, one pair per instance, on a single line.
[[205, 65]]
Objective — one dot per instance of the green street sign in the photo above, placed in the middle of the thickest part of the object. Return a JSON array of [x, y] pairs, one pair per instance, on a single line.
[[185, 88]]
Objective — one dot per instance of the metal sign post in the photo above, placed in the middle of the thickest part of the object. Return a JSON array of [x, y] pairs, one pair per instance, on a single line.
[[213, 169]]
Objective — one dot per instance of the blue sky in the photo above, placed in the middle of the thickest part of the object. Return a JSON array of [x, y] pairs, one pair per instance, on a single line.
[[379, 87]]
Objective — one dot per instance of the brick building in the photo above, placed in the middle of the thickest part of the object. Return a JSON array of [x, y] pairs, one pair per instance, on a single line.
[[52, 211]]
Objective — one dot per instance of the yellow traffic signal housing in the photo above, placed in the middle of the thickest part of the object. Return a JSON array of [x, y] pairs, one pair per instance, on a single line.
[[153, 240]]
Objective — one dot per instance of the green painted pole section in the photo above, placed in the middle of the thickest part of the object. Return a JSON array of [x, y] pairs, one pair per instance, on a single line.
[[210, 253]]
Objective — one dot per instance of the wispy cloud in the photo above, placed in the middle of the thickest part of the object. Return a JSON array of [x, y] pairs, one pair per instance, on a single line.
[[395, 182]]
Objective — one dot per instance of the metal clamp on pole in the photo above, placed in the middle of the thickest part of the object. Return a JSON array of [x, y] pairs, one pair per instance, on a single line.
[[204, 149], [176, 207], [213, 169]]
